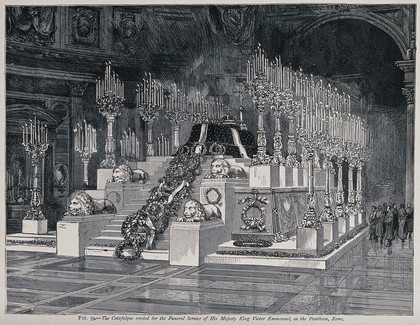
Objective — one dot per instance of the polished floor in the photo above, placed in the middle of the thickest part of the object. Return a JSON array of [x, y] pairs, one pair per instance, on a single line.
[[371, 280]]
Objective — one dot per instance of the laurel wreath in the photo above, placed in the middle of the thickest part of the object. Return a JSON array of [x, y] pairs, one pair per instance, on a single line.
[[257, 203], [217, 149], [258, 243], [185, 166], [217, 200]]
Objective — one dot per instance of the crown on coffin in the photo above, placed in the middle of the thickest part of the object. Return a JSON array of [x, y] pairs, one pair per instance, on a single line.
[[228, 117]]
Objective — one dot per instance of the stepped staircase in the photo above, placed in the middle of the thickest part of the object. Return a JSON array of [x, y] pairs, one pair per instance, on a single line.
[[104, 245]]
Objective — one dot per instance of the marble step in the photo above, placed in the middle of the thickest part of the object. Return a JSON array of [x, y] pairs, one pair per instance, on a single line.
[[106, 241], [109, 252], [115, 227], [138, 201], [45, 243], [110, 233]]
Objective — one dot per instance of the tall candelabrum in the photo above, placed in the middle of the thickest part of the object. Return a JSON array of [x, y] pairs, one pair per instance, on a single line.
[[150, 99], [338, 150], [291, 107], [240, 91], [85, 145], [110, 99], [365, 154], [177, 112], [260, 92], [353, 160], [35, 142], [326, 147], [278, 158], [309, 141]]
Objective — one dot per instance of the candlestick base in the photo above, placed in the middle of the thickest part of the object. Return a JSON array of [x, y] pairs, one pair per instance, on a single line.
[[261, 158], [328, 215], [291, 161], [150, 149], [34, 214], [109, 161], [278, 159]]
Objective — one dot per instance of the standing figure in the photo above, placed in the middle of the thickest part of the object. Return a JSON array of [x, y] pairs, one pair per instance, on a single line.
[[402, 223], [394, 210], [410, 221], [380, 229], [372, 224], [389, 226]]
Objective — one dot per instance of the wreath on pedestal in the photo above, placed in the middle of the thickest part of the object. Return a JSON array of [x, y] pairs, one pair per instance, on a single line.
[[210, 201], [259, 203]]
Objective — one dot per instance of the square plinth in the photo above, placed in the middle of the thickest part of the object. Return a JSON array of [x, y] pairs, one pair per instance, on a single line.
[[343, 225], [311, 239], [103, 174], [35, 226], [192, 241], [75, 232], [330, 230], [264, 176]]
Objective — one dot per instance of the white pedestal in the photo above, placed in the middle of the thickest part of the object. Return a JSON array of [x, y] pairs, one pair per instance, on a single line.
[[330, 230], [74, 233], [305, 177], [34, 226], [310, 239], [343, 225], [353, 222], [264, 176], [103, 174], [360, 218], [192, 241]]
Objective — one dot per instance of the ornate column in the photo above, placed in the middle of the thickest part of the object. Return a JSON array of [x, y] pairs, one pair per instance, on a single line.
[[408, 66], [77, 90], [278, 158], [409, 159]]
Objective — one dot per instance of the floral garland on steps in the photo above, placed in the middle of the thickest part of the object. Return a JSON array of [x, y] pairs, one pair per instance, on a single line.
[[163, 204]]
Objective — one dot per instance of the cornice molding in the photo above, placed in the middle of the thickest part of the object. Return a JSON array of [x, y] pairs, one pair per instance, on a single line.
[[49, 73]]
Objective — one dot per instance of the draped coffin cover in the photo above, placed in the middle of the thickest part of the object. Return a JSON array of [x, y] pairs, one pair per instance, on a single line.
[[238, 143]]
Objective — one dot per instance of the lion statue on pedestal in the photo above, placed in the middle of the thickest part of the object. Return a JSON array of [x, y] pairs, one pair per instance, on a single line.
[[194, 211], [124, 174], [82, 204], [220, 168]]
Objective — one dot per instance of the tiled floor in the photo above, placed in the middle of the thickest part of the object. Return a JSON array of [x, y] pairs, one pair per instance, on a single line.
[[371, 280]]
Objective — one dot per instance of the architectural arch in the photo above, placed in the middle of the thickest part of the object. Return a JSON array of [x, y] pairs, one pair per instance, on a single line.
[[381, 22]]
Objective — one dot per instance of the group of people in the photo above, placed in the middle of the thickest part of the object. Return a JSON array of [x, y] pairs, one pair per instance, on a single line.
[[387, 223]]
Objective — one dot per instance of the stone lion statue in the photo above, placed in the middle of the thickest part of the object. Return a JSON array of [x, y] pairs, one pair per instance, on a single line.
[[82, 204], [124, 174], [220, 168], [194, 211]]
